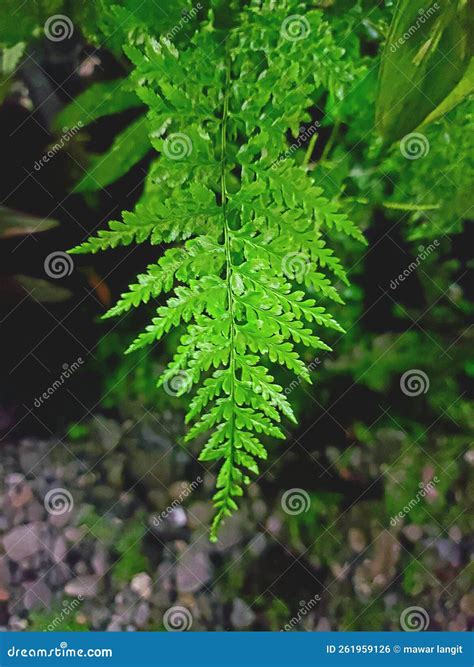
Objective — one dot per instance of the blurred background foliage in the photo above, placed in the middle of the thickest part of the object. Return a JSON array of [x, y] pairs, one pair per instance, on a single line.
[[363, 447]]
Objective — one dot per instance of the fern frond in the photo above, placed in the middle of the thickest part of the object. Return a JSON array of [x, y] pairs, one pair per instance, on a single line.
[[249, 268]]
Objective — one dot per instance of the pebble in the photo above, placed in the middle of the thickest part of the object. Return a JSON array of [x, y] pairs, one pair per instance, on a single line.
[[241, 616], [85, 586], [23, 541], [141, 584], [37, 594], [194, 570], [142, 614]]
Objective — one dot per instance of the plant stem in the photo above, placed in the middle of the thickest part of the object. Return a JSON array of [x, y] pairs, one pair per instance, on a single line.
[[230, 295]]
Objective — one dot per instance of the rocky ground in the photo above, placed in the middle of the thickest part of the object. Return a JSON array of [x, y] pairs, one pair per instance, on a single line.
[[107, 530]]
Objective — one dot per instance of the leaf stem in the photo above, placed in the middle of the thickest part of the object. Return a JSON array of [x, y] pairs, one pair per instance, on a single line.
[[230, 300]]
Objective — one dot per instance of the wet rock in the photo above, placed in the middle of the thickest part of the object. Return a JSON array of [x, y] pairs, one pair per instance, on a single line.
[[37, 594], [86, 586], [59, 549], [61, 520], [73, 534], [467, 604], [142, 585], [323, 625], [115, 625], [4, 573], [164, 580], [125, 606], [99, 562], [114, 466], [258, 544], [241, 616], [142, 614], [99, 617], [177, 517], [231, 532], [4, 613], [413, 532], [58, 574], [107, 431], [449, 551], [30, 454], [194, 570], [34, 511], [18, 624], [23, 541], [19, 492], [259, 509], [357, 540], [199, 514]]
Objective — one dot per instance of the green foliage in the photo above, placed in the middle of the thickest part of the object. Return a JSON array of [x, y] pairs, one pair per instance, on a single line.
[[130, 560], [252, 227], [426, 56], [128, 147], [58, 619]]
